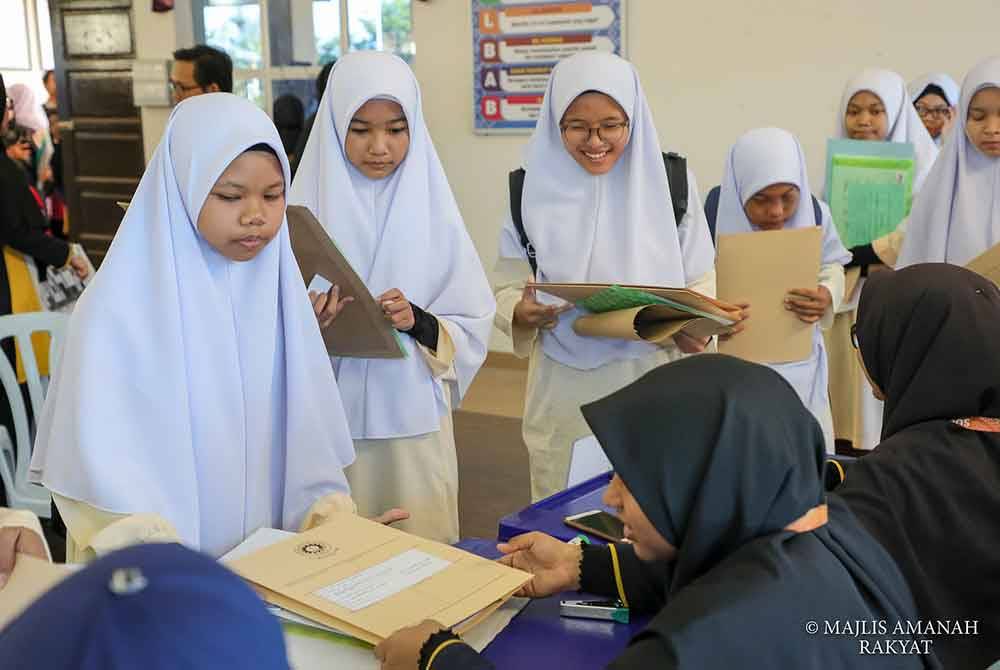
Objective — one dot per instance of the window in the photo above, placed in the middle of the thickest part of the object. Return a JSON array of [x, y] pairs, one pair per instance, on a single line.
[[279, 46], [24, 46]]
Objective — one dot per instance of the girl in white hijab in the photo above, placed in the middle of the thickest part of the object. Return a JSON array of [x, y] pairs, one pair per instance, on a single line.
[[371, 176], [875, 106], [191, 401], [766, 187], [958, 215], [597, 208], [935, 97]]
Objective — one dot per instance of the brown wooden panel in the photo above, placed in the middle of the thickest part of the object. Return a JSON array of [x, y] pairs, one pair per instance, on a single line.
[[100, 93], [98, 206], [90, 34], [100, 154]]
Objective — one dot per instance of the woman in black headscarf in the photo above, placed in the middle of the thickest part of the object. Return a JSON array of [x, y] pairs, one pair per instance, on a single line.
[[929, 337], [718, 479]]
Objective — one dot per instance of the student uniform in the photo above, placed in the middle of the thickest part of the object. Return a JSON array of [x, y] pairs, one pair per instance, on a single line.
[[957, 216], [759, 159], [614, 228], [193, 400], [405, 232], [856, 413]]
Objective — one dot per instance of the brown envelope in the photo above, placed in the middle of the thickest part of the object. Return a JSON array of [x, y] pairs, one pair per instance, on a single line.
[[652, 323], [987, 264], [299, 573], [361, 330], [760, 268]]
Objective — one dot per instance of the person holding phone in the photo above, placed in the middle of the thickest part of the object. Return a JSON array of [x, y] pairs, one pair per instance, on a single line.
[[729, 529]]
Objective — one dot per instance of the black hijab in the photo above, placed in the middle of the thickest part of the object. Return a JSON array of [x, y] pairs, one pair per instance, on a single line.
[[721, 455], [3, 97], [289, 118], [930, 492]]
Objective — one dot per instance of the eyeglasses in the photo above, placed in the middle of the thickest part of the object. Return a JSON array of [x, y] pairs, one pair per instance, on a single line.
[[933, 112], [854, 336], [181, 88], [579, 133]]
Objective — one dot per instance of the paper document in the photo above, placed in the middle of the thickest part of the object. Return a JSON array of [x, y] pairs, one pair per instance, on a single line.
[[761, 268], [361, 329], [987, 264], [369, 580], [869, 188], [383, 580], [643, 313]]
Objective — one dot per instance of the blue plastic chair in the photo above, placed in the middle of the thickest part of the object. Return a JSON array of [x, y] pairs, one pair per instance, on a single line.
[[22, 494]]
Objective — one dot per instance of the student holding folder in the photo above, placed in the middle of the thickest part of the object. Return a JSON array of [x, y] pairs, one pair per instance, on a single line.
[[875, 107], [372, 178], [596, 207], [766, 187], [958, 216], [188, 404]]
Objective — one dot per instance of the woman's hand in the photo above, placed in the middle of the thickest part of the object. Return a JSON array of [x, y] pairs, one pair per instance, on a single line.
[[554, 564], [401, 650], [809, 304], [529, 313], [397, 309], [16, 540], [740, 317], [328, 306]]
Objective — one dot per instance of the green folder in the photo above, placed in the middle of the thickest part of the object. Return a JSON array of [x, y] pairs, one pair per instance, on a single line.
[[869, 187]]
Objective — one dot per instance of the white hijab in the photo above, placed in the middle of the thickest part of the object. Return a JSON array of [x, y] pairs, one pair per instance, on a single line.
[[404, 231], [762, 158], [957, 217], [904, 122], [27, 111], [614, 228], [192, 386]]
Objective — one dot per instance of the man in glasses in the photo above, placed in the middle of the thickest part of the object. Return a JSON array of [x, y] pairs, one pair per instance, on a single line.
[[200, 69]]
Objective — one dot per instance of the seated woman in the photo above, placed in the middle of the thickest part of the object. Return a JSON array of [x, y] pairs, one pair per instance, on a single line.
[[732, 544], [930, 492]]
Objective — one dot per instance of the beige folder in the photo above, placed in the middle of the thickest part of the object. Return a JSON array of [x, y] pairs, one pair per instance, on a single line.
[[361, 330], [369, 580], [30, 579], [987, 264], [650, 323], [760, 268]]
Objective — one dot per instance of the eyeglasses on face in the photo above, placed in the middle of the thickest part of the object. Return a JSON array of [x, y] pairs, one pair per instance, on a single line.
[[933, 112], [609, 131]]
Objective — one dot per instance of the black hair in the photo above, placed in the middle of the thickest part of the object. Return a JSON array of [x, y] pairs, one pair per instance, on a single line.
[[264, 146], [48, 73], [933, 89], [322, 78], [3, 98], [211, 66]]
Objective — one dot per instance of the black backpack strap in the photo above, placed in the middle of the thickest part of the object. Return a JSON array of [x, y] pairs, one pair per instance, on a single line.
[[712, 209], [817, 212], [516, 184], [677, 179]]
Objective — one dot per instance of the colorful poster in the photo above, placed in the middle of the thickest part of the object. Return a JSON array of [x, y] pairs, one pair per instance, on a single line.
[[517, 42]]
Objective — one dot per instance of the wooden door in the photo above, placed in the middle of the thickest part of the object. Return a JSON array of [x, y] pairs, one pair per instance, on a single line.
[[94, 45]]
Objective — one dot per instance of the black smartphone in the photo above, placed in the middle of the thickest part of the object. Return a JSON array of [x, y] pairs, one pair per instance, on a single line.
[[598, 523]]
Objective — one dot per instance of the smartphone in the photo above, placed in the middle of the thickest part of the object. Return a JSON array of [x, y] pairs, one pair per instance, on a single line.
[[605, 610], [598, 523]]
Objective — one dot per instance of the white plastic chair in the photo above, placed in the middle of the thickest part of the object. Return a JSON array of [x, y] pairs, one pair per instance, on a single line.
[[21, 493], [587, 461]]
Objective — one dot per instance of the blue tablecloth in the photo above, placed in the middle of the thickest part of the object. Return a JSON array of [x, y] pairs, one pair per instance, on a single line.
[[547, 515]]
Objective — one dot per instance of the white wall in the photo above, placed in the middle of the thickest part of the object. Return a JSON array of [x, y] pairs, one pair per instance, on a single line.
[[157, 36], [711, 70]]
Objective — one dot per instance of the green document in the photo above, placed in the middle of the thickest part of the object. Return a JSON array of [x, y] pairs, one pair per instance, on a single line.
[[869, 188], [615, 298]]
